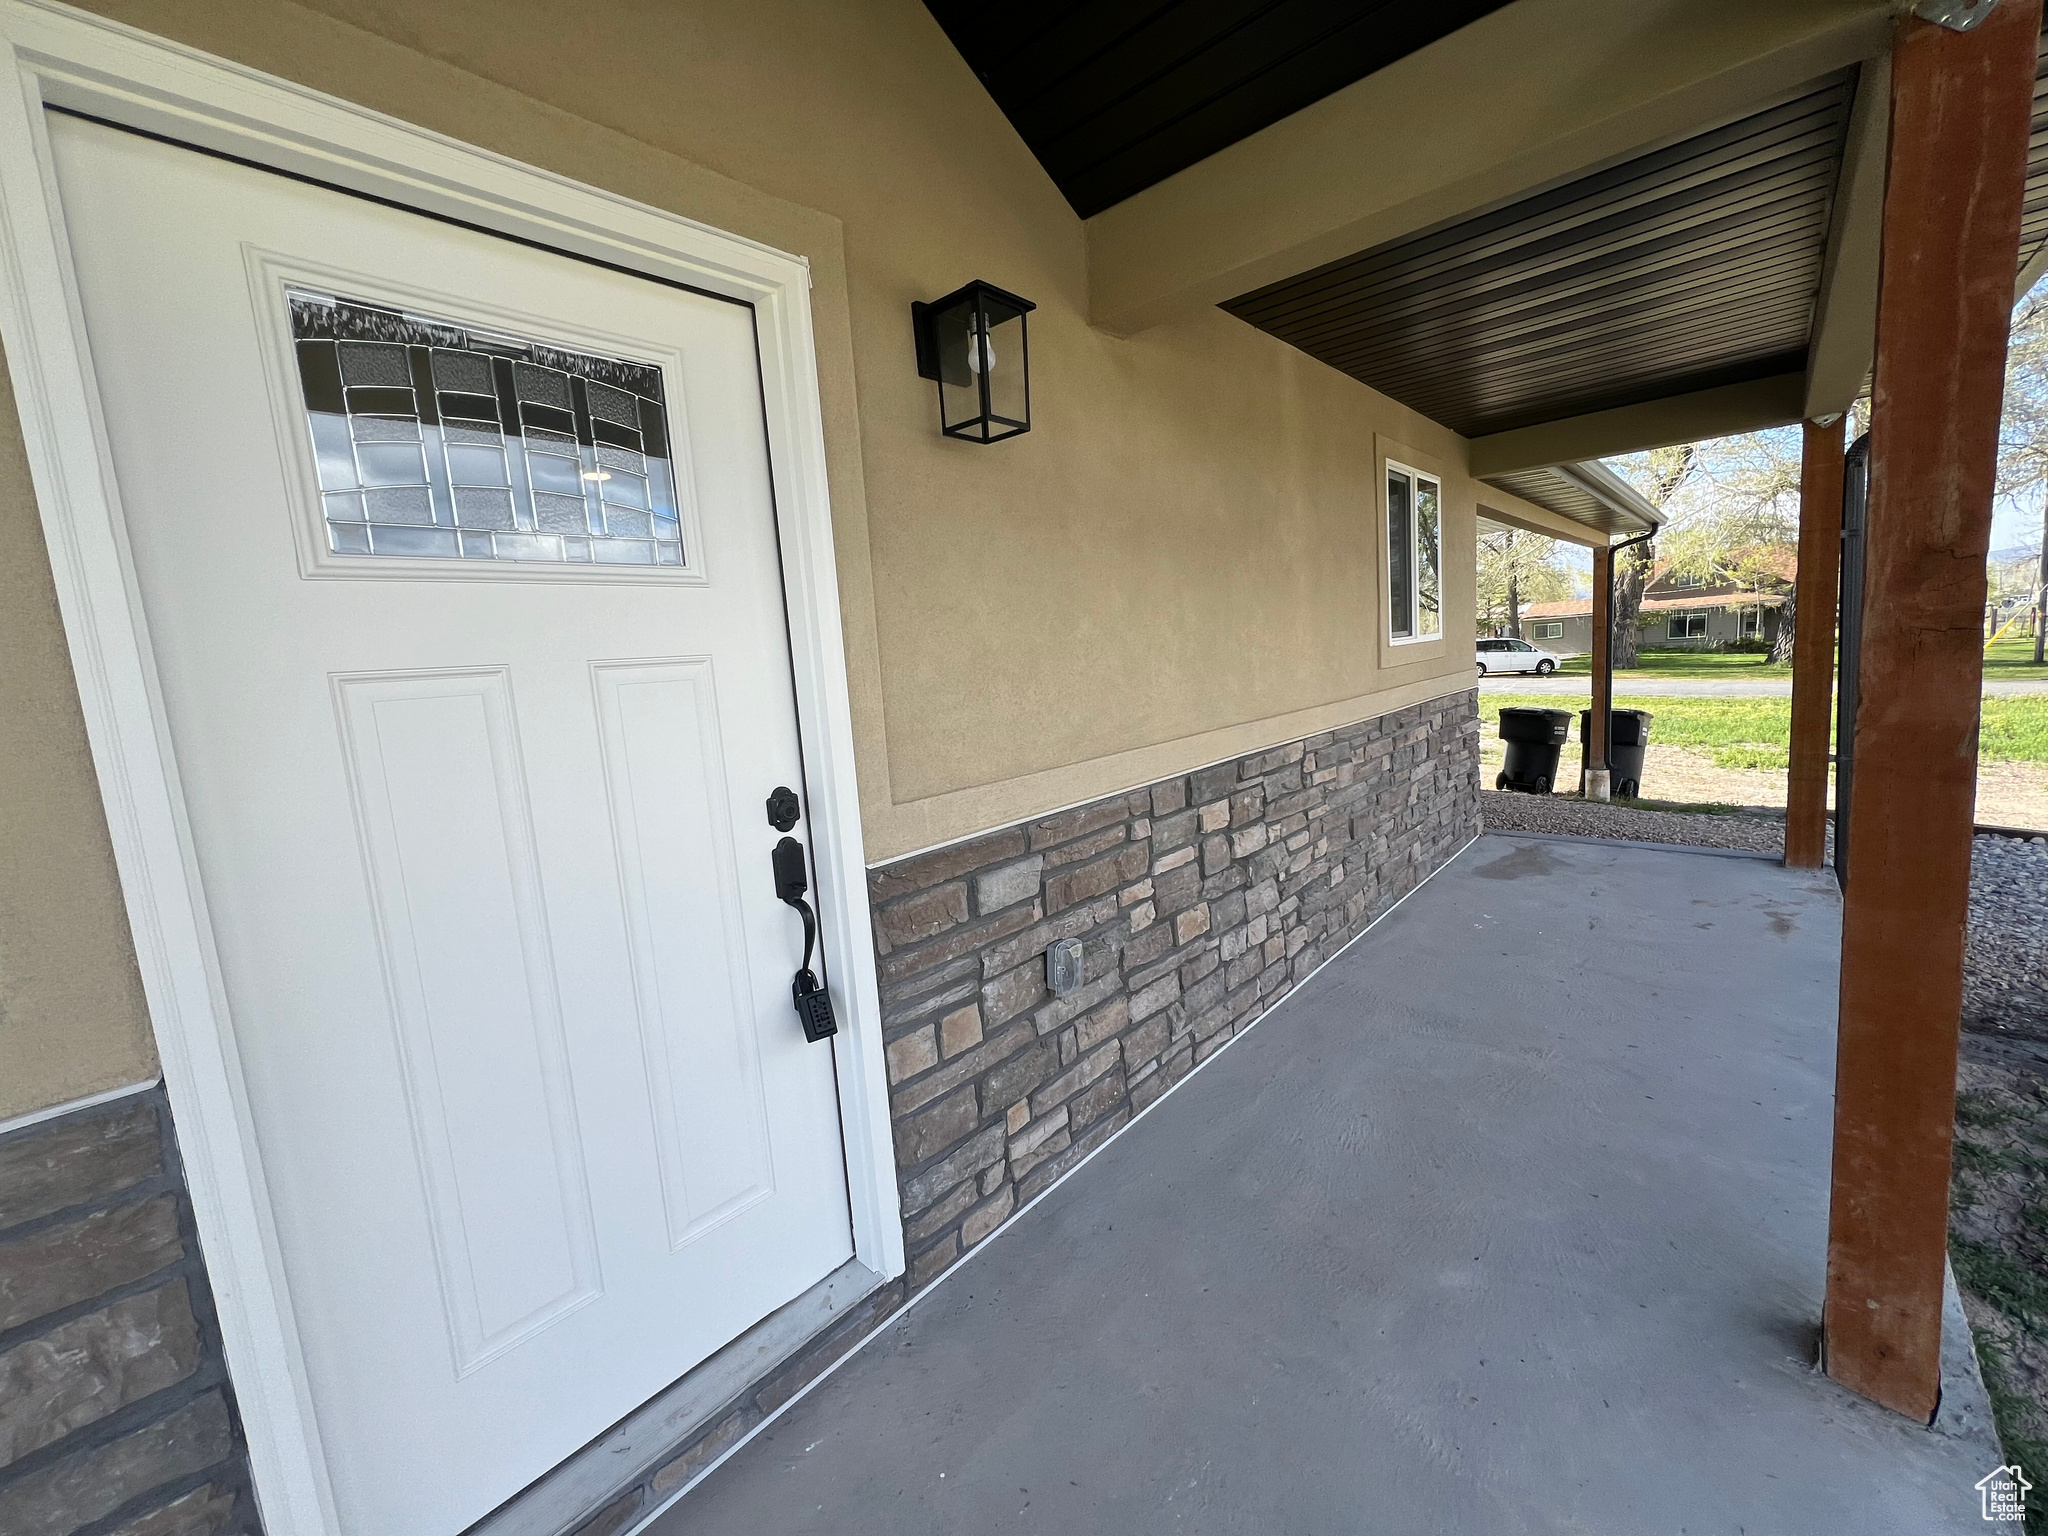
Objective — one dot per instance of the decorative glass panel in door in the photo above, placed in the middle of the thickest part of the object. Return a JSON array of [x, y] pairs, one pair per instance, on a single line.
[[441, 440]]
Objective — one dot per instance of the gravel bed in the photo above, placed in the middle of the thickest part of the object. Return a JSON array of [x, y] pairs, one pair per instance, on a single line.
[[2005, 969], [1998, 1237], [1503, 811]]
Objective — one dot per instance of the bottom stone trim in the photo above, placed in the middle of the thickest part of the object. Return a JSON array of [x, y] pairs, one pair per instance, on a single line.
[[115, 1412], [1199, 902]]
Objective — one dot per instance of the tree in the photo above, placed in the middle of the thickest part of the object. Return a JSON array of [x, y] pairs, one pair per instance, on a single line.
[[1732, 504], [1732, 514], [2023, 431], [1658, 475], [1516, 568]]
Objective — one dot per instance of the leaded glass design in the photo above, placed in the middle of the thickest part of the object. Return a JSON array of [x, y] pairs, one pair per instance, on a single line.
[[442, 440]]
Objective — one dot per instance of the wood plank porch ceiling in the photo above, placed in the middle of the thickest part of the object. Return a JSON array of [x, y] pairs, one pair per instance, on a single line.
[[1567, 498], [2034, 211], [1114, 96], [1689, 266], [1682, 267]]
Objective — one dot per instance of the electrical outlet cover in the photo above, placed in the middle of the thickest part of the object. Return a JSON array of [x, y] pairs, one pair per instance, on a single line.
[[1063, 966]]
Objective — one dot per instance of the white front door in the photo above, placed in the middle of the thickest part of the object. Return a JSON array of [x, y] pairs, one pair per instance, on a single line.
[[458, 561]]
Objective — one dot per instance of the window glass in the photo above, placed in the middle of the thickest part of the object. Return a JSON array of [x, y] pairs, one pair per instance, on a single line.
[[1414, 556], [1428, 602], [1400, 556], [435, 439]]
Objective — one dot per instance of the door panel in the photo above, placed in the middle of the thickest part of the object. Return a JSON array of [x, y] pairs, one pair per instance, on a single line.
[[434, 769], [665, 779], [479, 832]]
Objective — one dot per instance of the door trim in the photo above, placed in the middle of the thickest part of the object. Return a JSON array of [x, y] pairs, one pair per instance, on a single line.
[[65, 59]]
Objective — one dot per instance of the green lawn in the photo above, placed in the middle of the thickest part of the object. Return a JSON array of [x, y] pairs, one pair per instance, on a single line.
[[2009, 658], [2012, 658], [1721, 664], [1755, 733]]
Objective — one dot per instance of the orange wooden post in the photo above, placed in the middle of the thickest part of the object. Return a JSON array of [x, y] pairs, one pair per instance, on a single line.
[[1961, 103], [1813, 644], [1593, 782]]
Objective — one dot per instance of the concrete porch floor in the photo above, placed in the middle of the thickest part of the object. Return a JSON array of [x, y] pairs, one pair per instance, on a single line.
[[1511, 1220]]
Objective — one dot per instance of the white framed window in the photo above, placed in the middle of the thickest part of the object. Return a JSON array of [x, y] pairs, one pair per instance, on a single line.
[[1550, 629], [1749, 623], [1688, 626], [1414, 555], [1689, 581]]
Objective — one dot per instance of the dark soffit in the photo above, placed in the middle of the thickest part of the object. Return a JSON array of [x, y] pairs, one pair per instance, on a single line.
[[2034, 212], [1568, 499], [1113, 96], [1682, 268]]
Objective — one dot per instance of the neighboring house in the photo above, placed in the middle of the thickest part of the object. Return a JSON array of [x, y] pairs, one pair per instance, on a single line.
[[1564, 628], [475, 484], [1679, 612]]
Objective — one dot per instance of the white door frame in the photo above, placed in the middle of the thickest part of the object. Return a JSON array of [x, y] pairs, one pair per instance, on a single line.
[[61, 57]]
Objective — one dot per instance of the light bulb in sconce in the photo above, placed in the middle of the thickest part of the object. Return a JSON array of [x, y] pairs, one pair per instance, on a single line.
[[981, 353]]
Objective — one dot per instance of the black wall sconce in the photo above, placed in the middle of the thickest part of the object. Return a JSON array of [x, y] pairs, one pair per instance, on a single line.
[[972, 343]]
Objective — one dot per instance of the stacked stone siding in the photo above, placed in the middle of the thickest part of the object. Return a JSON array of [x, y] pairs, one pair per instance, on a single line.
[[1199, 901], [116, 1418]]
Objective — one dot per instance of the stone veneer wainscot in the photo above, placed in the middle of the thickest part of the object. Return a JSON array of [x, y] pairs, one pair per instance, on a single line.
[[116, 1416], [1200, 901]]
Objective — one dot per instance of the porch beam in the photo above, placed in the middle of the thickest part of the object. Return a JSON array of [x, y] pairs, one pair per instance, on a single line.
[[1961, 104], [1519, 99], [1723, 411], [1845, 316], [1813, 643]]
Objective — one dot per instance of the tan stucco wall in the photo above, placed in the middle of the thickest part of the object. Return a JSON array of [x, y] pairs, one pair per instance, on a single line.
[[1179, 555], [1178, 564], [71, 1015]]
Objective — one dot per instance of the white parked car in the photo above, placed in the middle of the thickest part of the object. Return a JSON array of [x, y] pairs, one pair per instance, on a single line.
[[1514, 656]]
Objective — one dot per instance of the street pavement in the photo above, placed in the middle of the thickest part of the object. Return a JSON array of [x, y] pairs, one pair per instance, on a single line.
[[1638, 686]]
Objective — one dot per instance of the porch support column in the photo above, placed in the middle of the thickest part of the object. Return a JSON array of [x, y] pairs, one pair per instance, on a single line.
[[1813, 644], [1961, 103], [1593, 783]]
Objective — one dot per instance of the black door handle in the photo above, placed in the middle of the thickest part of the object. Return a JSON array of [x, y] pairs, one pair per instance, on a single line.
[[813, 1002]]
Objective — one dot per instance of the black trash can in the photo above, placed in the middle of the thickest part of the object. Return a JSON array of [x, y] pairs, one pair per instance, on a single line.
[[1534, 739], [1628, 733]]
